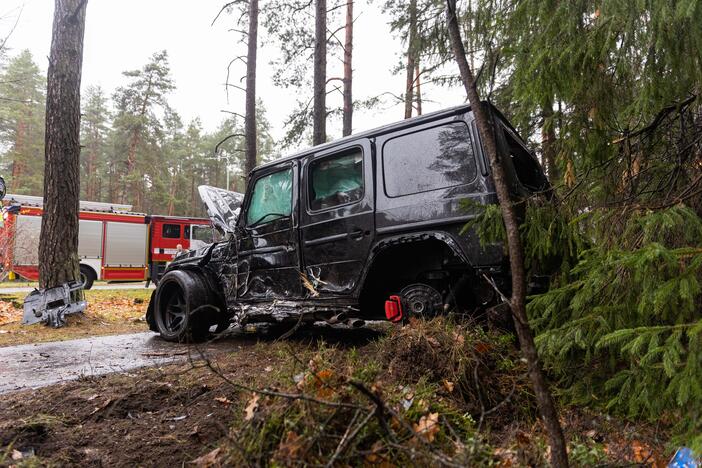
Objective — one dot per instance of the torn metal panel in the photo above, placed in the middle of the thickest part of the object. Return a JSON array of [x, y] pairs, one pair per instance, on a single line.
[[50, 306]]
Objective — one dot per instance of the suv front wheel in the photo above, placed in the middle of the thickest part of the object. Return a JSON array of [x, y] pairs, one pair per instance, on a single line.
[[183, 308]]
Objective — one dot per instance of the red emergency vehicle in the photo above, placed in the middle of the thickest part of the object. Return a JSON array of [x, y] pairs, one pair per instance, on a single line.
[[114, 244]]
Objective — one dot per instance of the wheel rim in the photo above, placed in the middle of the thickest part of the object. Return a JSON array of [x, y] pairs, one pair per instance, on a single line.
[[83, 278], [421, 300], [174, 312]]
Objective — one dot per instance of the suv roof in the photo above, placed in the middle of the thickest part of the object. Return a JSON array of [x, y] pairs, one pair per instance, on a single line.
[[456, 110]]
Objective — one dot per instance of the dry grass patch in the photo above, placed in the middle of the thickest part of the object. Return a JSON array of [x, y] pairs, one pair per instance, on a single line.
[[109, 312]]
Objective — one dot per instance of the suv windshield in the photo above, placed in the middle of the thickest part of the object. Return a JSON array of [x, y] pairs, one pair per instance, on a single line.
[[271, 198]]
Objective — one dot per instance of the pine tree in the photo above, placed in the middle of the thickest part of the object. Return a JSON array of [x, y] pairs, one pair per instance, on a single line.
[[137, 120], [94, 133], [58, 243], [22, 98]]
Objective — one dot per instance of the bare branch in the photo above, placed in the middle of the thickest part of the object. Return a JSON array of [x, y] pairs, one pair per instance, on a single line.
[[226, 5]]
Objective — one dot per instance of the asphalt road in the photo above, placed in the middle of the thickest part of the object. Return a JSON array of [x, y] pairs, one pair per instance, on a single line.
[[29, 289], [42, 364]]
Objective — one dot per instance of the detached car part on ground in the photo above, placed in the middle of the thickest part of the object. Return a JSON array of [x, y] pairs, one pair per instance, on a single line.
[[364, 228]]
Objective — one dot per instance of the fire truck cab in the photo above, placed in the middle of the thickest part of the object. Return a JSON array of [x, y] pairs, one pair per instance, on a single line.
[[114, 243]]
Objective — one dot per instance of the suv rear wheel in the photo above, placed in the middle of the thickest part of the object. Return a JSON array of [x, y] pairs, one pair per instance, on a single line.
[[421, 300]]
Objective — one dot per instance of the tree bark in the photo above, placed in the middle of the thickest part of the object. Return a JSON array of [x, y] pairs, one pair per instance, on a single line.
[[250, 118], [58, 245], [411, 62], [547, 409], [419, 89], [347, 126], [319, 110], [17, 168]]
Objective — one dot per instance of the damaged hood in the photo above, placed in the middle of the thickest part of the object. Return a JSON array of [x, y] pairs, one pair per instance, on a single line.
[[223, 206]]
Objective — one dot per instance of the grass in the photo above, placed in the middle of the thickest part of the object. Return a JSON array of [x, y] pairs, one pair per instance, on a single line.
[[109, 312], [438, 393]]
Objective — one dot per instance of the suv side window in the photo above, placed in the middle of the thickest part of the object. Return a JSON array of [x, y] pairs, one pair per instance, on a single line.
[[336, 180], [271, 198], [430, 159]]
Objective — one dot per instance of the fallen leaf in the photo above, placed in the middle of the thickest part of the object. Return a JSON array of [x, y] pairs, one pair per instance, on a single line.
[[17, 455], [208, 460], [448, 385], [224, 400], [428, 426], [268, 368], [289, 448], [433, 341], [251, 407]]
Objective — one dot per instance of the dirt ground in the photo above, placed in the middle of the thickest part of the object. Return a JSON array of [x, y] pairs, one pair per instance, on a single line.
[[109, 312], [198, 412]]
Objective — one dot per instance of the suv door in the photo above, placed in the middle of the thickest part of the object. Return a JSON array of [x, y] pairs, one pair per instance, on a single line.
[[268, 260], [337, 221]]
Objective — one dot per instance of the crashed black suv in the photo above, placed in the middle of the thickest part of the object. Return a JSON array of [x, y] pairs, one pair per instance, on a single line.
[[366, 227]]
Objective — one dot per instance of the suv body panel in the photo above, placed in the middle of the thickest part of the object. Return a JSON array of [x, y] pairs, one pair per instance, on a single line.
[[323, 257]]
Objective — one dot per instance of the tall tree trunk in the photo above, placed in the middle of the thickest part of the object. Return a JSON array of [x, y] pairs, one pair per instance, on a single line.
[[135, 139], [559, 456], [17, 168], [319, 110], [419, 89], [548, 141], [91, 168], [250, 118], [411, 61], [58, 244], [347, 126]]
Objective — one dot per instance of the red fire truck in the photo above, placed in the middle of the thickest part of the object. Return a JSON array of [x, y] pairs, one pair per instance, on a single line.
[[114, 244]]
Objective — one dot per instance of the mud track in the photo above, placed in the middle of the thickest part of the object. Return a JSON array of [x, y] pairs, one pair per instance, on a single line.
[[42, 364]]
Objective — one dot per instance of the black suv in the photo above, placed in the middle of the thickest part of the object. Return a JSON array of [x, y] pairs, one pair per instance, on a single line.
[[366, 227]]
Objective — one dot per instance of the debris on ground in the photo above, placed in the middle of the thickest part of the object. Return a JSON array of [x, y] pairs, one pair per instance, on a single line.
[[51, 306], [430, 393]]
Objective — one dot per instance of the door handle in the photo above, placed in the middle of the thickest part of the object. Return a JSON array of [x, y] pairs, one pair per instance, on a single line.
[[357, 234]]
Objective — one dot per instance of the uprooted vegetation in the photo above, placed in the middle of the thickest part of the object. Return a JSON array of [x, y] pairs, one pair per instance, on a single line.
[[429, 393]]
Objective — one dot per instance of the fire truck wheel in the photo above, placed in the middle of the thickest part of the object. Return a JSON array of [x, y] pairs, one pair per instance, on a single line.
[[183, 309], [87, 276]]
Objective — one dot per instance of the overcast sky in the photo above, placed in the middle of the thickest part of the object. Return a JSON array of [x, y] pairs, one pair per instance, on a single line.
[[121, 35]]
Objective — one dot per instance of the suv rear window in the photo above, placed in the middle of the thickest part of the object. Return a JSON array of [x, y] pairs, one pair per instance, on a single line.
[[431, 159], [336, 180]]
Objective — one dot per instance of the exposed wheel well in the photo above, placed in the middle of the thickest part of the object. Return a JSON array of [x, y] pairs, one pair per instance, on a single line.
[[430, 261]]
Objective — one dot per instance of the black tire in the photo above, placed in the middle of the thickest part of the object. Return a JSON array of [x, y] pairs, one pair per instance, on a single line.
[[87, 276], [421, 301], [183, 307]]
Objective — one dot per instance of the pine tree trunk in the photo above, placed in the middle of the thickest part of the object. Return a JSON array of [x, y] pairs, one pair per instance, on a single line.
[[58, 244], [130, 183], [91, 169], [548, 140], [15, 183], [347, 126], [411, 62], [547, 409], [419, 89], [250, 118], [319, 110]]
